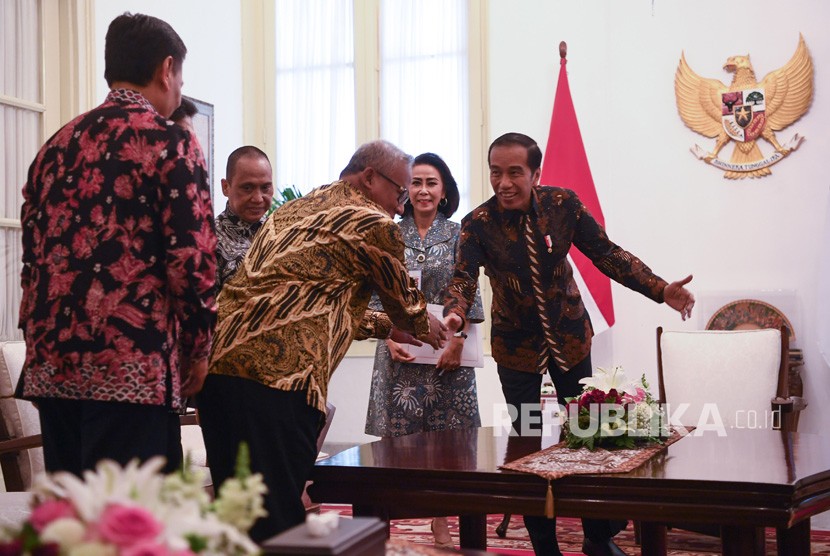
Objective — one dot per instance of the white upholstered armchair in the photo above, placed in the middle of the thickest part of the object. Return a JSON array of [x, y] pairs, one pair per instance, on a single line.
[[740, 374], [21, 457]]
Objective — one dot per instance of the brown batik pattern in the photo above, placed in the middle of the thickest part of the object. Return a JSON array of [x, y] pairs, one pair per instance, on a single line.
[[288, 315]]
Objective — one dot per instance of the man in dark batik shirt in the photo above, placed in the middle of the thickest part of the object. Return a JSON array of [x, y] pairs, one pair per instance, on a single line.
[[249, 188], [549, 332], [118, 264]]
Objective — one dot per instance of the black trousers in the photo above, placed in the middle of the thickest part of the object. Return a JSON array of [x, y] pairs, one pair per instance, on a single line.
[[525, 388], [281, 431], [79, 433]]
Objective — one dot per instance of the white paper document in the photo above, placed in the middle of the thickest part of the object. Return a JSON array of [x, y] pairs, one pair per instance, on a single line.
[[472, 355]]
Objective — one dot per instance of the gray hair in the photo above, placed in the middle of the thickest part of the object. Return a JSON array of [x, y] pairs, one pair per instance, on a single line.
[[380, 155]]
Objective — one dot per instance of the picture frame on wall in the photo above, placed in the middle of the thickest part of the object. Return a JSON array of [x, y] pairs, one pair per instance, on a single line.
[[203, 125]]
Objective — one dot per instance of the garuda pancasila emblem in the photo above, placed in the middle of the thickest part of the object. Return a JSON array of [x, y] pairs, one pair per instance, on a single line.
[[746, 110]]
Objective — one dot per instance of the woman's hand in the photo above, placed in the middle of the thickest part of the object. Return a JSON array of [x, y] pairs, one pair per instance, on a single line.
[[398, 353]]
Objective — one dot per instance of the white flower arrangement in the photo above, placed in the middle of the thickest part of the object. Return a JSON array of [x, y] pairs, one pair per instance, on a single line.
[[613, 411], [137, 511]]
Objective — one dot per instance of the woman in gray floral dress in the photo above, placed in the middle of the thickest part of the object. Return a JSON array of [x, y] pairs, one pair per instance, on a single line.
[[408, 397]]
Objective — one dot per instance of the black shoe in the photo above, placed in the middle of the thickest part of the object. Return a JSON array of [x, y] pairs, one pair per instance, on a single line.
[[598, 548]]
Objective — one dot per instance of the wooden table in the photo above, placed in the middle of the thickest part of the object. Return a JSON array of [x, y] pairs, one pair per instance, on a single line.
[[743, 481]]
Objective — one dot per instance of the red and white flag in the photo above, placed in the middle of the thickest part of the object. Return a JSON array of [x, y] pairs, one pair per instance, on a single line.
[[566, 165]]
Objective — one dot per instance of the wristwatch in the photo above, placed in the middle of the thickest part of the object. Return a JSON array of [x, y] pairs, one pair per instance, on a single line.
[[460, 334]]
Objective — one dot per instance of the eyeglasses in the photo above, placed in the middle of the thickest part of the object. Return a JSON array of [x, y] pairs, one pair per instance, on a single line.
[[403, 193]]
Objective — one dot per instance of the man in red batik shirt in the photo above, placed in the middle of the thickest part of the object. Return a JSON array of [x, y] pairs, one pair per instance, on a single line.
[[118, 264]]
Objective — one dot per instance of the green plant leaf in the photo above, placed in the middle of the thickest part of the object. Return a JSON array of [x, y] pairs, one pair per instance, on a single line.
[[284, 195]]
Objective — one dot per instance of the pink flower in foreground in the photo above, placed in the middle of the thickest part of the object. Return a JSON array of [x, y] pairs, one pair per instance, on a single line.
[[128, 525], [49, 511], [637, 397]]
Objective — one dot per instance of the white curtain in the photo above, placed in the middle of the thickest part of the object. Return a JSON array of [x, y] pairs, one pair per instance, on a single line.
[[424, 86], [20, 44], [315, 91], [424, 82], [20, 128]]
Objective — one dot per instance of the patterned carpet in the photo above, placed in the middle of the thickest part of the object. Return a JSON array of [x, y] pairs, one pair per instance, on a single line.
[[681, 543]]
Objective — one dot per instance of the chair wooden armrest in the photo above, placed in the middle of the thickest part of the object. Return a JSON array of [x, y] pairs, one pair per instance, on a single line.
[[10, 449], [14, 445], [785, 405], [799, 403], [15, 503], [786, 411]]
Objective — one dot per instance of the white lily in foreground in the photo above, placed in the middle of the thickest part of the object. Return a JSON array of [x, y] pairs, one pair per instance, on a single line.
[[610, 380], [108, 483]]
